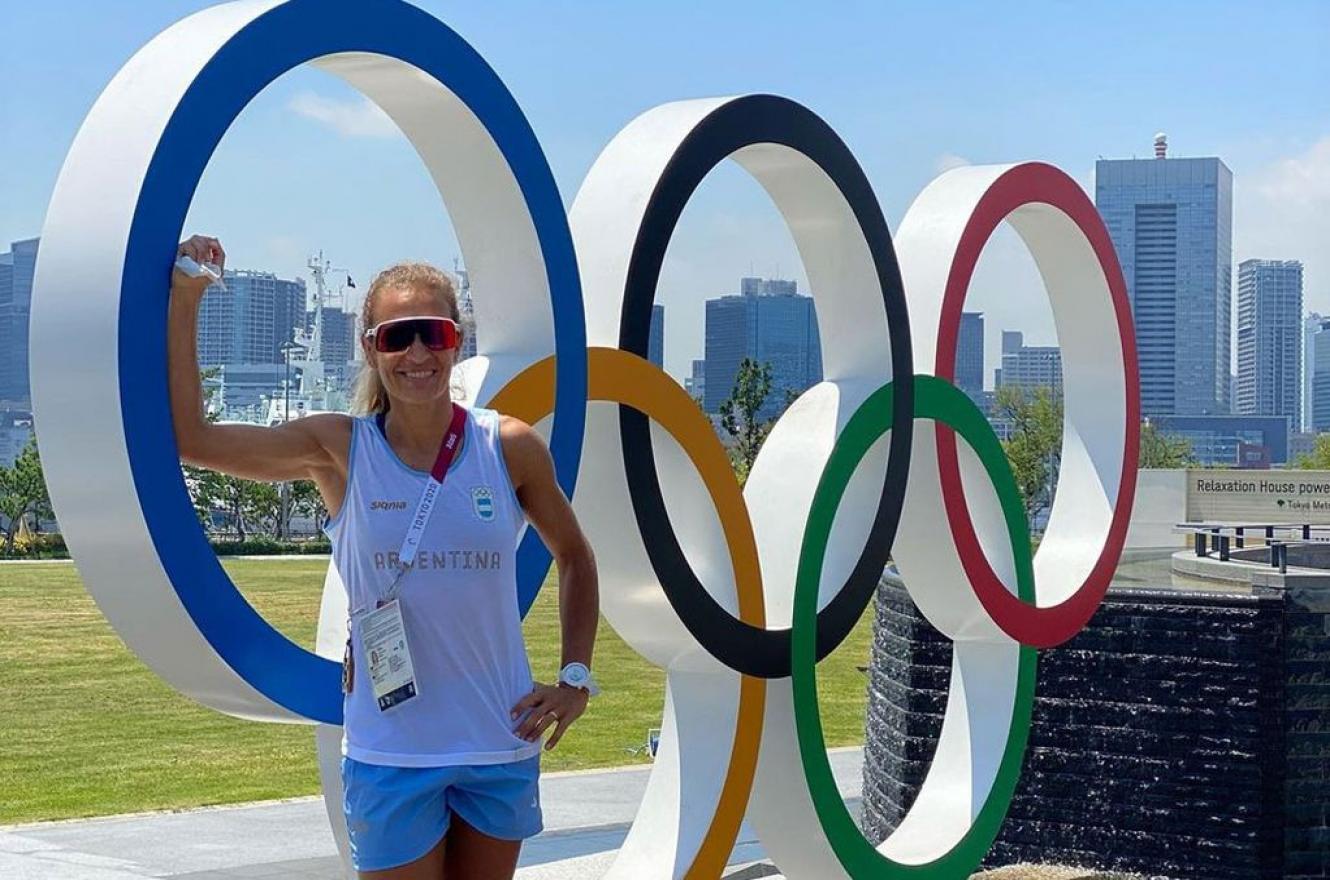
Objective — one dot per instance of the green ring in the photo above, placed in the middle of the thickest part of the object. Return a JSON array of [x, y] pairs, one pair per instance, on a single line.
[[942, 402]]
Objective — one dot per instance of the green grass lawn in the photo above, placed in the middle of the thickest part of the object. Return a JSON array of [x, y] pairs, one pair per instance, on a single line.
[[88, 730]]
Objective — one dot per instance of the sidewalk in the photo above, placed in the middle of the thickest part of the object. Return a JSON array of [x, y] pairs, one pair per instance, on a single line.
[[587, 815]]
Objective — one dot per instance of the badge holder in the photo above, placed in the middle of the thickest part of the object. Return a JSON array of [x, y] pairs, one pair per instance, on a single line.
[[383, 639]]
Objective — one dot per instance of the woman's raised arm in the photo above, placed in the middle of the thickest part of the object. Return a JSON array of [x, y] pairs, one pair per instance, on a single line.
[[292, 451]]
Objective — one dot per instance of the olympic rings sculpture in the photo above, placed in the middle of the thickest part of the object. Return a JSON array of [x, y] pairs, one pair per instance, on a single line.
[[737, 594]]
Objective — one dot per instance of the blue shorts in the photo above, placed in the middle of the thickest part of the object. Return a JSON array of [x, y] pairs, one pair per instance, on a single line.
[[395, 815]]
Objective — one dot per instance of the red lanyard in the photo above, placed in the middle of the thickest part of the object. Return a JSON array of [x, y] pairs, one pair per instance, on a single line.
[[452, 441]]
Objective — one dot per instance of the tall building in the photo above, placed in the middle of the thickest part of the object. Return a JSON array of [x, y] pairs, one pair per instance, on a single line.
[[970, 356], [8, 323], [656, 341], [696, 384], [1320, 378], [17, 268], [1171, 223], [217, 327], [1310, 326], [248, 322], [1029, 366], [1270, 339], [337, 336], [771, 323]]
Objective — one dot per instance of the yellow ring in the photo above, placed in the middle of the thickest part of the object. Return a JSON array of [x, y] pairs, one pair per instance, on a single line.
[[621, 377]]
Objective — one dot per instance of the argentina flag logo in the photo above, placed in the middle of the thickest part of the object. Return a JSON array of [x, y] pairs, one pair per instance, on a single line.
[[482, 502]]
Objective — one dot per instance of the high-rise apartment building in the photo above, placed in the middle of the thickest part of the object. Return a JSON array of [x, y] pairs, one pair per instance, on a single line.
[[769, 322], [970, 356], [1270, 339], [248, 322], [217, 327], [1171, 223]]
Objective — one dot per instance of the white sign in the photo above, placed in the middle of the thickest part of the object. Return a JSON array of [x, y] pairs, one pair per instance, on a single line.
[[1258, 496]]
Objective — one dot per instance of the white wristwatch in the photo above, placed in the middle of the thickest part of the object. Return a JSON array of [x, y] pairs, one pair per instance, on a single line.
[[576, 675]]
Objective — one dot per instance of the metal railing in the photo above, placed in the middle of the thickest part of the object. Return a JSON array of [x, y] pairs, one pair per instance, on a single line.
[[1278, 537]]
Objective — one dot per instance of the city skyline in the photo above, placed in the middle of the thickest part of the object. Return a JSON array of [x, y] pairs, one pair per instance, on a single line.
[[771, 321], [237, 327], [326, 172]]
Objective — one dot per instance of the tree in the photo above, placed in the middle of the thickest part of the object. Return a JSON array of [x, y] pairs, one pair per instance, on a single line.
[[1161, 450], [739, 415], [23, 491], [263, 507], [1034, 447], [249, 507], [306, 501], [222, 493], [1319, 458], [242, 502]]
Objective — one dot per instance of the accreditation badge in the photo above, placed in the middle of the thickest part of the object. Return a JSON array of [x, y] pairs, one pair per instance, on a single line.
[[387, 655]]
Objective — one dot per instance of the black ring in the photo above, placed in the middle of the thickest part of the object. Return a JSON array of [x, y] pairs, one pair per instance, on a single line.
[[760, 119]]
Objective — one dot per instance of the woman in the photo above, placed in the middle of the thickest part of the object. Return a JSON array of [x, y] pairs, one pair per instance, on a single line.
[[442, 737]]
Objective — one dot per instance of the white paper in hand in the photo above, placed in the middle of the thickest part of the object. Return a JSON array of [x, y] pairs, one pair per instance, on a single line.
[[194, 269]]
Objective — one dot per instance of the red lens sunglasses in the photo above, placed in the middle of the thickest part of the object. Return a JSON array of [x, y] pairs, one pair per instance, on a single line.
[[396, 335]]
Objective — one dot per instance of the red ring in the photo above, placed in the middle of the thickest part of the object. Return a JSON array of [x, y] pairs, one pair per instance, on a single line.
[[1024, 184]]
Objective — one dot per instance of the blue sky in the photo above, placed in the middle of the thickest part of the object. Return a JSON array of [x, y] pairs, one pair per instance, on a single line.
[[913, 88]]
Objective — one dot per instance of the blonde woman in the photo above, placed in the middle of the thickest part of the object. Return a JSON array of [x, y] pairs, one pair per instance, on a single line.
[[443, 721]]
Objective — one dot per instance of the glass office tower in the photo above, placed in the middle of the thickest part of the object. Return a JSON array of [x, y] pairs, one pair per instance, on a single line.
[[1171, 222], [17, 268], [970, 356], [1270, 339], [771, 323]]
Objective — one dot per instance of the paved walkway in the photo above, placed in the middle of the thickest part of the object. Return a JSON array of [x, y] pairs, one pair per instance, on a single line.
[[586, 818]]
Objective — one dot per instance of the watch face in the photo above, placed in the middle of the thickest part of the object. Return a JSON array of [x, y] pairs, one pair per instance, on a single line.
[[575, 674]]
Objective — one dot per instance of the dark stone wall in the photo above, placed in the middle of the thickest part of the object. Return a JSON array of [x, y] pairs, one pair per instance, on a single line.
[[1307, 728], [1181, 734]]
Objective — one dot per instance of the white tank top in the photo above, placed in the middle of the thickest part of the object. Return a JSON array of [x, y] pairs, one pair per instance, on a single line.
[[459, 602]]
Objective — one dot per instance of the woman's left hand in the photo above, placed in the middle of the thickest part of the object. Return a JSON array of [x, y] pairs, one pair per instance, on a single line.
[[549, 704]]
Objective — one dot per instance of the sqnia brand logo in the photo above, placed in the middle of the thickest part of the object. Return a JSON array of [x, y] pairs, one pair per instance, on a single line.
[[387, 505]]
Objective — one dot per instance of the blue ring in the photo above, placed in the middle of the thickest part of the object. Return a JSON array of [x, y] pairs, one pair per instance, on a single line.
[[275, 42]]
